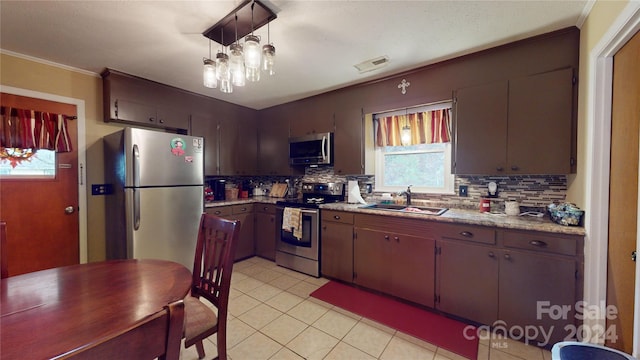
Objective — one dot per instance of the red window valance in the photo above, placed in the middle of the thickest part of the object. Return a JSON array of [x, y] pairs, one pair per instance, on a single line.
[[29, 129], [426, 127]]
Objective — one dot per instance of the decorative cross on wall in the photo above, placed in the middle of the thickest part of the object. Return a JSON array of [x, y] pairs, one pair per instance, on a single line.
[[404, 85]]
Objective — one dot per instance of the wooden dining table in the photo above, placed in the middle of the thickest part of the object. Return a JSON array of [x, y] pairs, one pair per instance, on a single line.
[[48, 313]]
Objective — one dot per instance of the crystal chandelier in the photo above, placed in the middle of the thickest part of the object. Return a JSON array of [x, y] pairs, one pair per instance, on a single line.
[[243, 61]]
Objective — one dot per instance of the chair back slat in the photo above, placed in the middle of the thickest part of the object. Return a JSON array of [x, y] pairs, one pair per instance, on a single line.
[[215, 251]]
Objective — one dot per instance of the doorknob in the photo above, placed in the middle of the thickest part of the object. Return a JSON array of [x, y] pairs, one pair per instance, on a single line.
[[69, 210], [634, 255]]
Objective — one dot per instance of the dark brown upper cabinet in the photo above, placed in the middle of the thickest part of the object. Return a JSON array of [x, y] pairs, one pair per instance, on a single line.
[[238, 146], [349, 140], [521, 126], [273, 144], [311, 116], [206, 126], [136, 101]]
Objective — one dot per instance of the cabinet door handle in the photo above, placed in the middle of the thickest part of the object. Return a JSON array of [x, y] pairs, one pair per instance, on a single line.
[[507, 257], [151, 119], [386, 237], [217, 212], [324, 228], [161, 121], [397, 239], [466, 234], [243, 209], [515, 168], [491, 254], [337, 217], [538, 243], [499, 168]]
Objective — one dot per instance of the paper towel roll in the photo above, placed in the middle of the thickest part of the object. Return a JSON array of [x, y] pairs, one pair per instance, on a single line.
[[354, 196]]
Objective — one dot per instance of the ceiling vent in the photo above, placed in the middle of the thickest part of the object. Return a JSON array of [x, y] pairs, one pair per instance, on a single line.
[[372, 64]]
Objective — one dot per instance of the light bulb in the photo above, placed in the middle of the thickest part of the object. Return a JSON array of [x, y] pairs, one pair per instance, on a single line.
[[268, 58], [252, 57], [236, 65], [209, 74]]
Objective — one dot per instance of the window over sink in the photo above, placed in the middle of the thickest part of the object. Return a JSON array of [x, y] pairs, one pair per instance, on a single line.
[[413, 147]]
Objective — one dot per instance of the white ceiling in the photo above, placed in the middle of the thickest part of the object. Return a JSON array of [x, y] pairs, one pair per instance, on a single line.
[[317, 42]]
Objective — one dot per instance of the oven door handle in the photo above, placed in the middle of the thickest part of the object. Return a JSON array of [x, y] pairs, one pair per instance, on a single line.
[[304, 211]]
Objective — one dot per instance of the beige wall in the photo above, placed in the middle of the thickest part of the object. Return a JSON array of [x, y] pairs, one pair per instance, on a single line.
[[600, 18], [30, 75]]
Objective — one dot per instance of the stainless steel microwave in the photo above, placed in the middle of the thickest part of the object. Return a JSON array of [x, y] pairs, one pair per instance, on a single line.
[[315, 149]]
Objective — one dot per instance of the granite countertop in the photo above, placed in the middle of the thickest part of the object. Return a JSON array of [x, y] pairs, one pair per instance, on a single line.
[[472, 217], [251, 200], [459, 216]]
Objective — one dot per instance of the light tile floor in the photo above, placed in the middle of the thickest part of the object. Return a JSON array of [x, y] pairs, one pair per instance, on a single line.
[[271, 316]]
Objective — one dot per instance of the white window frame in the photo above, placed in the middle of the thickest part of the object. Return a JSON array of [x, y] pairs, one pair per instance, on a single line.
[[449, 178]]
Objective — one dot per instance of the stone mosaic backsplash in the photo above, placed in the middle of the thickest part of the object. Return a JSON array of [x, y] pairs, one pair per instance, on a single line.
[[533, 192]]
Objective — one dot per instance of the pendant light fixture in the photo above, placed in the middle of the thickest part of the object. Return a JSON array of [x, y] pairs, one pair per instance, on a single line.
[[405, 133], [209, 71], [244, 61], [252, 53], [268, 54]]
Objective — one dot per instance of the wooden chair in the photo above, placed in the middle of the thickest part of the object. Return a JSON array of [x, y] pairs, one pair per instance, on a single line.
[[4, 272], [215, 251], [158, 336]]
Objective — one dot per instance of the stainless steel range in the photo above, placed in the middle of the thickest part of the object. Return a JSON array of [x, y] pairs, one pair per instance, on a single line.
[[303, 254]]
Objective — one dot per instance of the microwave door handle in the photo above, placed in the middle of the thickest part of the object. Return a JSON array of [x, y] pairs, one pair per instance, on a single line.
[[324, 144]]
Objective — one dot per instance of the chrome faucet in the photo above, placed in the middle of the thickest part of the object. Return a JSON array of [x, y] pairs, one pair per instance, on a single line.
[[407, 193]]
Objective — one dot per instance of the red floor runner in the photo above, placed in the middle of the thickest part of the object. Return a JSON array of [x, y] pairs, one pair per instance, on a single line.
[[430, 327]]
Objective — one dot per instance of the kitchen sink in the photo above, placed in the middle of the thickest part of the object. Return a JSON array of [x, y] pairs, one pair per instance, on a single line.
[[426, 210]]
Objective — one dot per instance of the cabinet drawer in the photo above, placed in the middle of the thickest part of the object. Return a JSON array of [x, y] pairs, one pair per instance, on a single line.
[[244, 208], [219, 210], [566, 245], [337, 216], [467, 233], [265, 208]]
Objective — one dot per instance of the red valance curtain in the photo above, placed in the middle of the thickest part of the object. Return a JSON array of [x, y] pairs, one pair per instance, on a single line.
[[426, 128], [29, 129]]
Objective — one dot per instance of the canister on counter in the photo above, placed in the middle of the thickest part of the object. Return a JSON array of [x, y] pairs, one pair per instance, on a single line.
[[485, 204]]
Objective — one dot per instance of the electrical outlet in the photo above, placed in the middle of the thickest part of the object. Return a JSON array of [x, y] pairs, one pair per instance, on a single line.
[[462, 190], [101, 189]]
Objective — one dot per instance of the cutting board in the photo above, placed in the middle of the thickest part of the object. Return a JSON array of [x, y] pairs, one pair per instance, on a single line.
[[278, 190]]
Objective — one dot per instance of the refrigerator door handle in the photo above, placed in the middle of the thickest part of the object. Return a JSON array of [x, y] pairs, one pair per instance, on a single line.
[[136, 184], [136, 208], [136, 166]]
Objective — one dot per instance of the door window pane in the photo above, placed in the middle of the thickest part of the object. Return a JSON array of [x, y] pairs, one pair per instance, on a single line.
[[27, 163]]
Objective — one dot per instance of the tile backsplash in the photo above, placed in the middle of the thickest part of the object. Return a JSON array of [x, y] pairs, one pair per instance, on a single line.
[[533, 192]]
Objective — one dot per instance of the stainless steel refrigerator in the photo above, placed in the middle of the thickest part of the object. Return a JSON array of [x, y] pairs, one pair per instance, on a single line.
[[157, 199]]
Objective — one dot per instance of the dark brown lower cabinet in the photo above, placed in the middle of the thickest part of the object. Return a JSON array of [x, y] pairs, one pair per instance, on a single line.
[[534, 290], [372, 262], [336, 245], [526, 284], [265, 231], [392, 262], [468, 280], [244, 213]]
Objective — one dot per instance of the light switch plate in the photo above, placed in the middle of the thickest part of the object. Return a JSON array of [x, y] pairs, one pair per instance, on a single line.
[[463, 190]]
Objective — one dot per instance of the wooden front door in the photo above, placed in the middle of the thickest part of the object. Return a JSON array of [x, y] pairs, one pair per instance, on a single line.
[[42, 214], [623, 192]]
